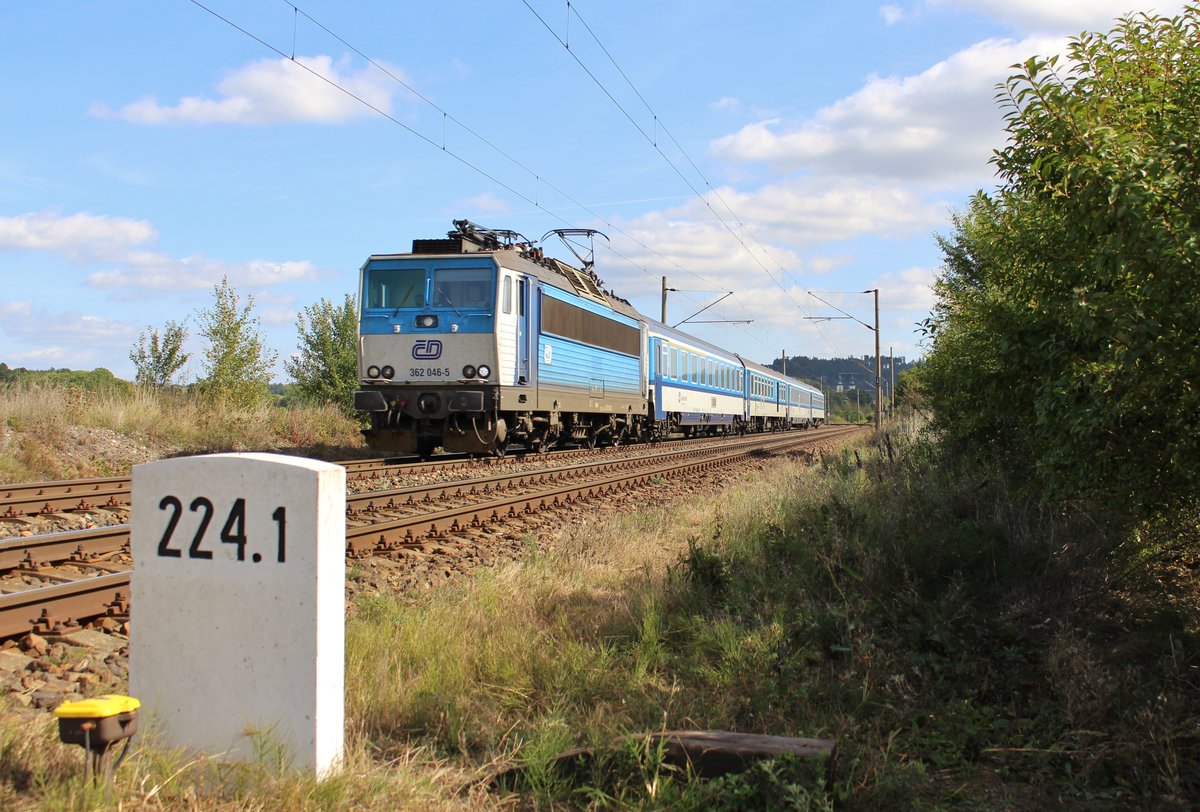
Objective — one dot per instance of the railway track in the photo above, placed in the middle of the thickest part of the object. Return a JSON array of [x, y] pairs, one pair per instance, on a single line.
[[40, 498], [84, 574], [31, 499]]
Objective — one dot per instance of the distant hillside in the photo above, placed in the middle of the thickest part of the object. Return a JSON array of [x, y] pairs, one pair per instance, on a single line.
[[841, 374], [94, 380]]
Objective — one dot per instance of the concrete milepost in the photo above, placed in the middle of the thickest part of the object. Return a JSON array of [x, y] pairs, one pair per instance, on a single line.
[[238, 605]]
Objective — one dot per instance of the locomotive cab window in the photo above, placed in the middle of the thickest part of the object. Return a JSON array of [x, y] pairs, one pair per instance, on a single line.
[[396, 287], [462, 287]]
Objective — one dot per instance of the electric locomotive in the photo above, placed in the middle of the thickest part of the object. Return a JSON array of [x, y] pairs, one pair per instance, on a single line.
[[478, 340]]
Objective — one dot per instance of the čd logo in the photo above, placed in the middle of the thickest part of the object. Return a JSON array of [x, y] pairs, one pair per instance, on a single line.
[[427, 349]]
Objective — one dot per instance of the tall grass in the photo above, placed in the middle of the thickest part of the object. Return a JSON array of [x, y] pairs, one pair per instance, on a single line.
[[45, 431], [962, 645], [965, 647]]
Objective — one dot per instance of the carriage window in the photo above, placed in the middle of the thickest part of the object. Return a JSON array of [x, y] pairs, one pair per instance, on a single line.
[[396, 287], [675, 363], [507, 295], [663, 361], [462, 287]]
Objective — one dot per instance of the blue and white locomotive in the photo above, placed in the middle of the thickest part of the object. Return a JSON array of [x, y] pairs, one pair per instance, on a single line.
[[479, 340]]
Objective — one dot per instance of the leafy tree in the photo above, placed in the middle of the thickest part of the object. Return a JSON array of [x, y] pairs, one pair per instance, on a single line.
[[326, 368], [237, 362], [96, 380], [157, 358], [1064, 334]]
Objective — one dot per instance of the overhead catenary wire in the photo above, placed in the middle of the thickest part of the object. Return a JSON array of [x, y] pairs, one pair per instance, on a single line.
[[443, 147], [572, 9]]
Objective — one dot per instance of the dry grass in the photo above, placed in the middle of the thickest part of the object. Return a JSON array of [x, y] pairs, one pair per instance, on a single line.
[[55, 433], [39, 773]]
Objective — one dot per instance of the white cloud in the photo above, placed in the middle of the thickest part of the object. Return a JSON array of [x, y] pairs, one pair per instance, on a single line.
[[803, 212], [891, 14], [79, 237], [486, 202], [24, 321], [908, 290], [939, 126], [273, 91], [122, 243], [1065, 17], [155, 271], [277, 316], [726, 103]]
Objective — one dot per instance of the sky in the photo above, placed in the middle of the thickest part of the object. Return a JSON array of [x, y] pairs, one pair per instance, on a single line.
[[791, 152]]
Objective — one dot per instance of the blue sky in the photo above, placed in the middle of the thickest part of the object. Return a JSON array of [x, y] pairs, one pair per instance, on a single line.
[[766, 148]]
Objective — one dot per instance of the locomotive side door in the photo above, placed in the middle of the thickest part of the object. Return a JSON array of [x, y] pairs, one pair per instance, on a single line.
[[526, 332]]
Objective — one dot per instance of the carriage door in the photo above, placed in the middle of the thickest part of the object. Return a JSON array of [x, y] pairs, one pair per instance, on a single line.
[[526, 332]]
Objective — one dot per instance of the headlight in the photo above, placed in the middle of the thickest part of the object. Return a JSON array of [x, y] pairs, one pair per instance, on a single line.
[[372, 372], [484, 370], [468, 371], [427, 321], [389, 373]]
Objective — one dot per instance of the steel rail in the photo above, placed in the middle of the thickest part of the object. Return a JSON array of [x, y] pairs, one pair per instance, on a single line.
[[56, 548], [33, 498], [21, 612]]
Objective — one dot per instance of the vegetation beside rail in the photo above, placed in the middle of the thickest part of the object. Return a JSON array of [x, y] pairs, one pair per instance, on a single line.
[[963, 646], [52, 432]]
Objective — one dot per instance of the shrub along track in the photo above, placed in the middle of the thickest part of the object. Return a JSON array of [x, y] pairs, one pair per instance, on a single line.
[[406, 538]]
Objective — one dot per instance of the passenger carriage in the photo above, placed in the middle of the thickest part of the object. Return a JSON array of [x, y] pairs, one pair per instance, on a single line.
[[695, 387]]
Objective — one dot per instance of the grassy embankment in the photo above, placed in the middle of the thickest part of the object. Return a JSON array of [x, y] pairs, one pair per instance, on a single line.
[[962, 646], [49, 432]]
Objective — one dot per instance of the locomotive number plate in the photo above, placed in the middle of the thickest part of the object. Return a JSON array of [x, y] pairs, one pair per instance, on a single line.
[[429, 372]]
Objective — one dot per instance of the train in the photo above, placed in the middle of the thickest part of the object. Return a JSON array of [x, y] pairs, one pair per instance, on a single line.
[[480, 340]]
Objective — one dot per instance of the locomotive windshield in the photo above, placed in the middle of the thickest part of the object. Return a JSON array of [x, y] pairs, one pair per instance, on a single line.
[[463, 287], [402, 287]]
